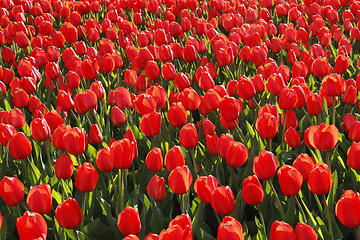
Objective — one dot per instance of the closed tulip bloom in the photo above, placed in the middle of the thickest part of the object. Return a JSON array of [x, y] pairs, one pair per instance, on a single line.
[[347, 209], [173, 158], [265, 165], [11, 190], [275, 83], [222, 200], [287, 99], [290, 180], [230, 228], [156, 188], [252, 192], [118, 117], [292, 137], [16, 118], [75, 141], [190, 99], [303, 163], [31, 226], [19, 139], [180, 180], [211, 144], [208, 127], [321, 67], [20, 98], [152, 70], [85, 101], [320, 173], [282, 230], [352, 156], [95, 135], [104, 162], [333, 85], [6, 133], [86, 178], [68, 213], [188, 136], [348, 121], [154, 160], [40, 130], [230, 108], [52, 70], [64, 167], [325, 137], [245, 88], [177, 115], [58, 136], [223, 144], [121, 153], [64, 101], [342, 63], [314, 104], [204, 186], [237, 154], [150, 124], [129, 221], [305, 232], [267, 125], [350, 95], [39, 199]]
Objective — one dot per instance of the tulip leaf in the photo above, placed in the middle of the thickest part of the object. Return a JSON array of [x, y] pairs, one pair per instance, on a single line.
[[261, 234], [197, 215], [3, 229], [105, 206], [250, 129], [204, 232], [56, 196], [290, 213], [332, 193], [156, 221], [312, 222], [327, 235], [7, 105]]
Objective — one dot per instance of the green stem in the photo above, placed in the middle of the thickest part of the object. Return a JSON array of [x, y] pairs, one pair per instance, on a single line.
[[193, 158], [328, 215], [307, 115], [96, 119], [113, 184], [231, 176], [182, 204], [333, 112], [76, 235], [241, 134], [269, 141], [357, 233], [133, 170], [318, 202], [300, 208], [32, 168], [217, 216], [261, 216], [327, 159], [277, 199], [121, 179], [283, 134], [47, 143]]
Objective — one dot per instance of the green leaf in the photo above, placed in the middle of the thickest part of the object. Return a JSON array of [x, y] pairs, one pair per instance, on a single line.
[[312, 222], [261, 235], [197, 216], [3, 229], [290, 213], [332, 194], [156, 221]]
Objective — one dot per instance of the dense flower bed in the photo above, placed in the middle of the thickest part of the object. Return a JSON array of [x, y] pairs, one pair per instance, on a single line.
[[179, 119]]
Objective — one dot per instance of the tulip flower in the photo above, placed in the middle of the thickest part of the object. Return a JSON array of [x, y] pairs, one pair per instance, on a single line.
[[11, 190], [6, 133], [39, 199], [188, 136], [204, 186], [68, 214], [104, 162], [174, 158], [305, 232], [150, 124], [86, 178], [222, 200], [177, 115], [154, 160], [282, 230], [180, 180], [303, 163], [290, 180], [64, 167], [128, 221], [156, 188], [27, 228], [75, 141], [347, 209], [265, 165], [320, 173], [252, 192], [19, 139], [230, 228]]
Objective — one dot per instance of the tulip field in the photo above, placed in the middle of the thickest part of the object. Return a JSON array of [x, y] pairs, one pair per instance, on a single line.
[[179, 119]]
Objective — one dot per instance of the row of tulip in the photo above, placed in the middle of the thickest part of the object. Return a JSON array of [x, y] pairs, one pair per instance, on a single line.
[[184, 119]]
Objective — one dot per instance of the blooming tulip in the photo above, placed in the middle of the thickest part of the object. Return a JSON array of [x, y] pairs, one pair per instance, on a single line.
[[39, 199], [11, 190], [68, 213], [156, 188], [86, 178], [222, 200], [31, 226], [230, 228], [64, 167], [320, 173], [129, 221], [347, 209], [265, 165], [252, 192], [180, 180], [290, 180], [204, 186], [188, 136]]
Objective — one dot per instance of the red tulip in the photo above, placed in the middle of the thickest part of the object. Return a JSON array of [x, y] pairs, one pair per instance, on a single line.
[[31, 226], [68, 214], [152, 70], [325, 137], [64, 101], [52, 70], [16, 118], [98, 89], [350, 95], [154, 160], [129, 221], [177, 115], [39, 199], [104, 162], [347, 209], [303, 163], [150, 124], [40, 130], [86, 178], [156, 188], [314, 103], [118, 117], [267, 125], [320, 173], [20, 98], [6, 133], [144, 104], [275, 83], [342, 63], [64, 167], [245, 88], [281, 230], [204, 186], [237, 154], [230, 108], [75, 141], [287, 99], [190, 99], [85, 101], [222, 200], [320, 67], [252, 192], [121, 153], [95, 135], [292, 137], [188, 136], [223, 144], [265, 165], [11, 190], [180, 180], [173, 158], [19, 139], [305, 232], [230, 228], [290, 180]]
